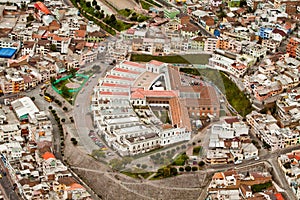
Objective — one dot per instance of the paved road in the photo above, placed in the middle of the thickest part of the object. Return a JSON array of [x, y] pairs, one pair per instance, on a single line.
[[7, 185], [82, 111]]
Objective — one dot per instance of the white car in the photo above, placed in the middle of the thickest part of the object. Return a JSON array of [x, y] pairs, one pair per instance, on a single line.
[[238, 162], [257, 158]]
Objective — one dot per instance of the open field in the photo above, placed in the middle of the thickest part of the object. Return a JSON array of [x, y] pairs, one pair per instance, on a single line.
[[122, 4], [180, 59]]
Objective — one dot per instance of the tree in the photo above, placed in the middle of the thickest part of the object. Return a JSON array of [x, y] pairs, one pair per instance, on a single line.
[[32, 98], [88, 4], [144, 166], [173, 171], [65, 108], [94, 3], [201, 163], [181, 169], [50, 108], [194, 168], [112, 19], [98, 7], [75, 142], [30, 18], [63, 120], [188, 168], [72, 72], [65, 92], [53, 47]]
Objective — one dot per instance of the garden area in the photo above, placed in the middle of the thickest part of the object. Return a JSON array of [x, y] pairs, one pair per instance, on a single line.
[[162, 114], [69, 85], [132, 15], [179, 59]]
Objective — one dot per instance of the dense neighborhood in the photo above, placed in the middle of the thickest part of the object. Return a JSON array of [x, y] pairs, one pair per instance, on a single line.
[[149, 99]]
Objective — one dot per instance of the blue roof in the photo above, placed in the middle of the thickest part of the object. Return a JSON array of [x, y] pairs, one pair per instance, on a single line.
[[7, 52]]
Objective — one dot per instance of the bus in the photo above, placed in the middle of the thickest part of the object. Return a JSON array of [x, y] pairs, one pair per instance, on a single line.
[[47, 98]]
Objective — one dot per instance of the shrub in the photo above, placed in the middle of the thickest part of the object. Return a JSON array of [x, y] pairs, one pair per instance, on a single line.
[[75, 142], [188, 168], [201, 163], [173, 171], [261, 187], [144, 166], [181, 169], [194, 168]]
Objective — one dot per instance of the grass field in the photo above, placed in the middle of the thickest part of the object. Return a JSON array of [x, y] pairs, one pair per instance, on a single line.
[[180, 59]]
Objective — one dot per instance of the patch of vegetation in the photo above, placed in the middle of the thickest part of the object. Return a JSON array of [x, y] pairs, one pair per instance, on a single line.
[[184, 59], [165, 172], [154, 3], [87, 8], [145, 5], [115, 23], [196, 150], [261, 187], [119, 164], [236, 98], [162, 158], [180, 160], [125, 12], [98, 154]]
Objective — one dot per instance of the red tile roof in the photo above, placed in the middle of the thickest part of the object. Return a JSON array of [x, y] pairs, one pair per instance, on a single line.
[[134, 64], [156, 63], [279, 196], [125, 70], [40, 6], [48, 155], [114, 93], [120, 77], [115, 85], [140, 93]]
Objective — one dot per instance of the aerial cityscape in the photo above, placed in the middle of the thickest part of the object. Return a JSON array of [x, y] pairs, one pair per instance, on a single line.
[[150, 99]]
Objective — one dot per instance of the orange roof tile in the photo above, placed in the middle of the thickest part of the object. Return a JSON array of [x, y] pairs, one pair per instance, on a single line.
[[134, 64], [156, 63], [279, 196], [140, 93], [48, 155], [125, 70], [80, 33], [218, 175], [120, 77], [76, 186], [40, 6], [114, 93], [115, 85]]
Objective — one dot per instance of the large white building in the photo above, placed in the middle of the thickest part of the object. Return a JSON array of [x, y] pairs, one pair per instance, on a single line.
[[120, 122]]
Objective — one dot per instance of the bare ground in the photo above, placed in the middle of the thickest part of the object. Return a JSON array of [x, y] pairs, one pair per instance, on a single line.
[[116, 186], [122, 4]]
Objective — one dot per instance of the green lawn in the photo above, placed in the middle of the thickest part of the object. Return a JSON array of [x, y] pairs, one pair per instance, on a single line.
[[125, 12], [180, 159], [154, 3], [145, 5], [180, 59], [236, 98]]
